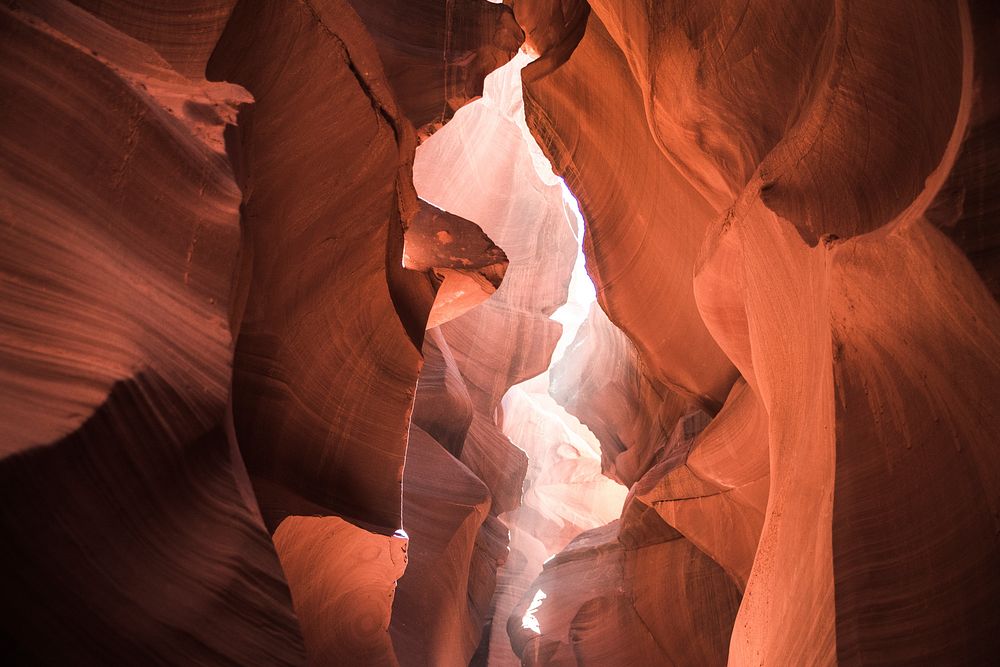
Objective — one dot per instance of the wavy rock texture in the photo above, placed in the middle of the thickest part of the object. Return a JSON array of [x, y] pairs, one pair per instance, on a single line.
[[132, 535], [497, 184], [437, 52], [564, 495], [809, 180], [238, 353], [444, 507], [314, 239], [184, 33], [604, 382], [449, 512], [470, 364], [626, 259], [327, 358], [607, 603], [718, 495], [343, 579]]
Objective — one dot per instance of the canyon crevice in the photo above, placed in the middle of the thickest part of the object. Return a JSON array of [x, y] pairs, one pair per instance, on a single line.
[[540, 332]]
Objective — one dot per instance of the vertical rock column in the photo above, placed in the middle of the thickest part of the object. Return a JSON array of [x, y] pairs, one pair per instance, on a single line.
[[328, 352]]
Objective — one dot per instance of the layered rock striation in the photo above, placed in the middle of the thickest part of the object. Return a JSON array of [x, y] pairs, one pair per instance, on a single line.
[[279, 388], [850, 476]]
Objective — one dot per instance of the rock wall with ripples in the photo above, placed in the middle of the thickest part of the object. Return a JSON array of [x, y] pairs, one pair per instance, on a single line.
[[787, 204], [277, 385]]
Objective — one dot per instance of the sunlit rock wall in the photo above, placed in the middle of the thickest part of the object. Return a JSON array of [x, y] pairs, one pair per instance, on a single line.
[[790, 201], [483, 166], [248, 338]]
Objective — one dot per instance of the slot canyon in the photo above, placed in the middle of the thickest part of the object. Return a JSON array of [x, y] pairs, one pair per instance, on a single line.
[[434, 333]]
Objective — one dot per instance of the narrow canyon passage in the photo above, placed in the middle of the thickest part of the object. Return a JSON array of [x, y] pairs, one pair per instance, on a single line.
[[484, 165], [447, 333]]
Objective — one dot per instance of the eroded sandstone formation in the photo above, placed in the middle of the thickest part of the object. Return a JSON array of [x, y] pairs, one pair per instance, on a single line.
[[278, 387], [808, 162], [131, 529], [132, 295], [479, 166]]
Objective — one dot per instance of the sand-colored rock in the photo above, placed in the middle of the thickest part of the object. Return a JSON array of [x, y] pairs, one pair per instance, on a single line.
[[472, 360]]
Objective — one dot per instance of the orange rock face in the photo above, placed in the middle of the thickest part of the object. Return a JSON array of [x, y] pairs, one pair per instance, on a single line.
[[820, 275], [297, 367]]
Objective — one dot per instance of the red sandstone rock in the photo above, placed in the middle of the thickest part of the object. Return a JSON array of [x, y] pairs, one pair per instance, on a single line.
[[321, 336], [442, 407], [601, 601], [466, 360], [603, 381], [464, 261], [130, 528], [627, 258], [183, 32], [860, 352], [790, 213], [718, 496], [342, 579], [436, 53], [565, 494], [444, 506]]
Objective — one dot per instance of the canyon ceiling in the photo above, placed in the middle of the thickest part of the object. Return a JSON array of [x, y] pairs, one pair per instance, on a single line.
[[299, 363]]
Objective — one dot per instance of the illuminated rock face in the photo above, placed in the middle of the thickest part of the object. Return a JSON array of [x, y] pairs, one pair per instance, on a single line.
[[481, 167], [250, 334], [791, 202]]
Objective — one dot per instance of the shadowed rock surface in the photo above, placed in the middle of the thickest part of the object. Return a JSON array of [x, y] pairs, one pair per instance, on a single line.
[[132, 533], [278, 387]]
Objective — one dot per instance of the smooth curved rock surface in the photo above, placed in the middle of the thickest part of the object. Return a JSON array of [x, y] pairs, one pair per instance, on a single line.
[[635, 236], [444, 506], [717, 497], [473, 360], [564, 495], [184, 33], [466, 265], [613, 603], [604, 382], [238, 352], [343, 579], [437, 53], [513, 195], [132, 536], [821, 276], [311, 359]]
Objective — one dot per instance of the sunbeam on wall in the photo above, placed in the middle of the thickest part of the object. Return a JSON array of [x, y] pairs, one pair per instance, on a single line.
[[485, 166]]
